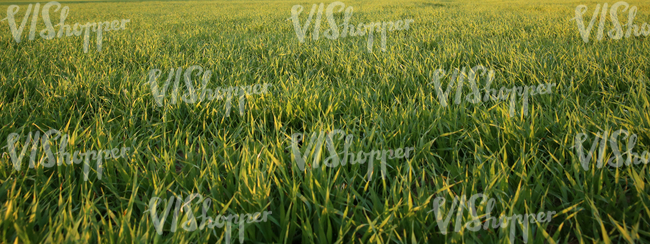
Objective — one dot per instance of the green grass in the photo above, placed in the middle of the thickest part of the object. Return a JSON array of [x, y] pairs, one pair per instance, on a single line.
[[384, 99]]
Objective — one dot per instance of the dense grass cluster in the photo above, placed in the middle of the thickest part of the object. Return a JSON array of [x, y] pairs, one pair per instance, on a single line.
[[243, 162]]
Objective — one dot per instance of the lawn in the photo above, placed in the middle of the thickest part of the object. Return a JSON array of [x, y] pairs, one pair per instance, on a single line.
[[251, 154]]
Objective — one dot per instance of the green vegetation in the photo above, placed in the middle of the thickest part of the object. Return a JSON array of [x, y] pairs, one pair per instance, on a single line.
[[243, 162]]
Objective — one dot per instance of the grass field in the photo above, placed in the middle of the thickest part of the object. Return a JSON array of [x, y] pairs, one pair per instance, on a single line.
[[243, 161]]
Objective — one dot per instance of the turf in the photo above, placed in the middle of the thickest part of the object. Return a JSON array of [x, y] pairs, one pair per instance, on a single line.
[[243, 162]]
